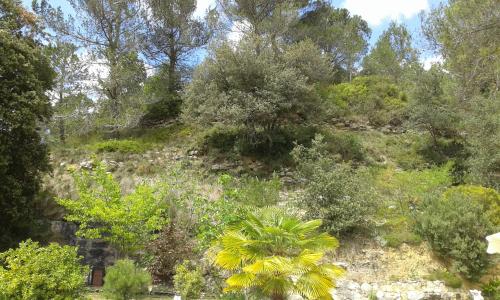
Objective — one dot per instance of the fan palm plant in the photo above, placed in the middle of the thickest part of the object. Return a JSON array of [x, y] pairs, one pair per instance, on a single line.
[[274, 255]]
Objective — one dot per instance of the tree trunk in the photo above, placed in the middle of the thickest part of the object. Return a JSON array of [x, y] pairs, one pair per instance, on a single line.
[[62, 134]]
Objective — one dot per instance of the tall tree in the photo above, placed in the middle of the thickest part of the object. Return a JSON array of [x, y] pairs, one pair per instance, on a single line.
[[68, 94], [172, 35], [25, 76], [392, 55], [336, 32], [108, 29], [265, 21], [466, 33]]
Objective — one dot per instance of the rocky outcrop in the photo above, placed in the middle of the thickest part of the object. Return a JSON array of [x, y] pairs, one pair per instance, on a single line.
[[400, 290]]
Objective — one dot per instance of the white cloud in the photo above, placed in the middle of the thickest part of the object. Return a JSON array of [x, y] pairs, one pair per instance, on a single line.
[[376, 11], [202, 6], [237, 30], [429, 61]]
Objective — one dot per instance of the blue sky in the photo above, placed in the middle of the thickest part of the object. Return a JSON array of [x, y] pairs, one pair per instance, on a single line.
[[378, 13]]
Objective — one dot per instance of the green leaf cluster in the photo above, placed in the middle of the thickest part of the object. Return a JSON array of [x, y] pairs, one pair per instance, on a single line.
[[34, 272], [128, 222], [274, 255]]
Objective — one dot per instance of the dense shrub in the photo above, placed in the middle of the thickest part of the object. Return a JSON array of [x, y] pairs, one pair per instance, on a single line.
[[251, 191], [26, 76], [256, 91], [347, 145], [35, 272], [491, 289], [336, 193], [170, 248], [373, 97], [125, 281], [489, 198], [188, 280], [456, 227], [123, 146], [212, 217]]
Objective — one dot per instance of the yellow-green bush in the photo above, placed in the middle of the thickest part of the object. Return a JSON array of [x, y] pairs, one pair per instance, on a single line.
[[34, 272], [125, 281], [188, 280], [376, 97], [487, 197]]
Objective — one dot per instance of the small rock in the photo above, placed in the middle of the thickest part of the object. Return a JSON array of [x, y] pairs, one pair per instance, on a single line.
[[353, 285], [415, 295], [476, 295], [366, 287]]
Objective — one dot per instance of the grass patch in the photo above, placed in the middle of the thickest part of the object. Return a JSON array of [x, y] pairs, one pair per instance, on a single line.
[[122, 146], [449, 279], [394, 240]]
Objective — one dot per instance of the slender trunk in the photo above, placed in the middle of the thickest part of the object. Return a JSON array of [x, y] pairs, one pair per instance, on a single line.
[[62, 135]]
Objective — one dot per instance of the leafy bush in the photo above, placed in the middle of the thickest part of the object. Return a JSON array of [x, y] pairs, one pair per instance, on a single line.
[[251, 191], [122, 146], [375, 97], [34, 272], [270, 254], [456, 227], [212, 218], [125, 281], [170, 248], [125, 221], [162, 110], [188, 280], [347, 145], [449, 279], [258, 92], [336, 193], [222, 138], [491, 289], [487, 197]]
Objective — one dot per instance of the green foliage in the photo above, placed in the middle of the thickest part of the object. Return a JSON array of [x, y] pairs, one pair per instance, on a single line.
[[34, 272], [102, 211], [449, 279], [461, 32], [122, 146], [188, 280], [165, 103], [409, 188], [342, 36], [491, 289], [26, 76], [251, 90], [213, 217], [336, 193], [376, 98], [347, 145], [393, 55], [251, 191], [271, 254], [483, 137], [456, 227], [395, 239], [124, 281], [488, 198]]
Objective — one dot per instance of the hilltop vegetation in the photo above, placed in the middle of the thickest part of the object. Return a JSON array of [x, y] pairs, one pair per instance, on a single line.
[[286, 160]]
